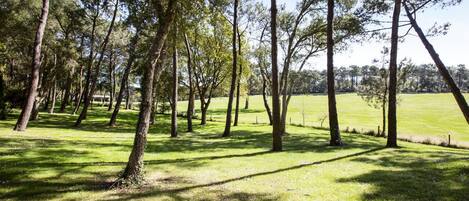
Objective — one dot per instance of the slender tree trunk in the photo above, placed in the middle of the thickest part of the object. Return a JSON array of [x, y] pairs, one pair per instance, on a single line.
[[333, 119], [190, 104], [35, 111], [134, 169], [383, 133], [79, 97], [238, 85], [46, 105], [226, 133], [174, 98], [84, 96], [246, 103], [203, 119], [128, 98], [3, 108], [266, 102], [53, 97], [441, 67], [386, 88], [276, 127], [111, 80], [154, 104], [89, 95], [68, 88], [23, 119], [125, 79], [392, 117]]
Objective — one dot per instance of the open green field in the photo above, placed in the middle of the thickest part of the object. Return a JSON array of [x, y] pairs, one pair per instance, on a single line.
[[427, 115], [54, 161]]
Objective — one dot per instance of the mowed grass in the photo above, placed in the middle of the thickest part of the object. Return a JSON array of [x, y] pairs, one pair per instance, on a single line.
[[421, 115], [54, 161]]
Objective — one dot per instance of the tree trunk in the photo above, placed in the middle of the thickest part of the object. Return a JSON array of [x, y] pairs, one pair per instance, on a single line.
[[53, 97], [111, 81], [84, 94], [3, 108], [23, 119], [35, 111], [333, 119], [154, 104], [134, 169], [125, 78], [276, 127], [266, 102], [392, 117], [226, 132], [238, 85], [203, 119], [128, 98], [89, 95], [174, 98], [383, 133], [68, 88], [441, 67], [79, 96], [190, 104], [46, 105], [246, 103]]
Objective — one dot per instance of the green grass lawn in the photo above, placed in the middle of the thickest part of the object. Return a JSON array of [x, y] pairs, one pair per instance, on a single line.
[[427, 115], [53, 161]]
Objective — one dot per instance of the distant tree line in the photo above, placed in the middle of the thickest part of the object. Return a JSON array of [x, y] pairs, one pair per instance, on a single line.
[[423, 78]]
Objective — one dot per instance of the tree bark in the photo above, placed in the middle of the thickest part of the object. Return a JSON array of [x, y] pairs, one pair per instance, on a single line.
[[174, 97], [333, 119], [190, 104], [125, 78], [392, 117], [441, 66], [79, 96], [111, 80], [134, 169], [238, 84], [128, 98], [23, 119], [46, 105], [266, 103], [53, 97], [203, 119], [226, 132], [84, 94], [89, 95], [276, 127], [3, 109], [246, 103], [68, 88]]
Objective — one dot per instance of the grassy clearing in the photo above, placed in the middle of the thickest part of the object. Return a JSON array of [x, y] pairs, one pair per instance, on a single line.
[[419, 115], [53, 161]]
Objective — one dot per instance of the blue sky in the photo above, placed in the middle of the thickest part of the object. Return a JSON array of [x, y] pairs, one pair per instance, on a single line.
[[453, 47]]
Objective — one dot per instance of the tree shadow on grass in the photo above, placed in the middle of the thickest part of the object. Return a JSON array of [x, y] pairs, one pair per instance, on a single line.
[[176, 192], [407, 176]]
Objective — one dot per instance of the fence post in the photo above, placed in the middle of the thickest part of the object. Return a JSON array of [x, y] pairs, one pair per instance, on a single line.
[[379, 131], [304, 119], [449, 140]]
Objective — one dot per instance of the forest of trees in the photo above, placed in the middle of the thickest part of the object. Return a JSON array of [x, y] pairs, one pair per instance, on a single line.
[[58, 56]]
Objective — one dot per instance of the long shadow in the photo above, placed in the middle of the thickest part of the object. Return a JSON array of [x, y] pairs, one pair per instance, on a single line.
[[147, 162], [438, 176], [178, 190]]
